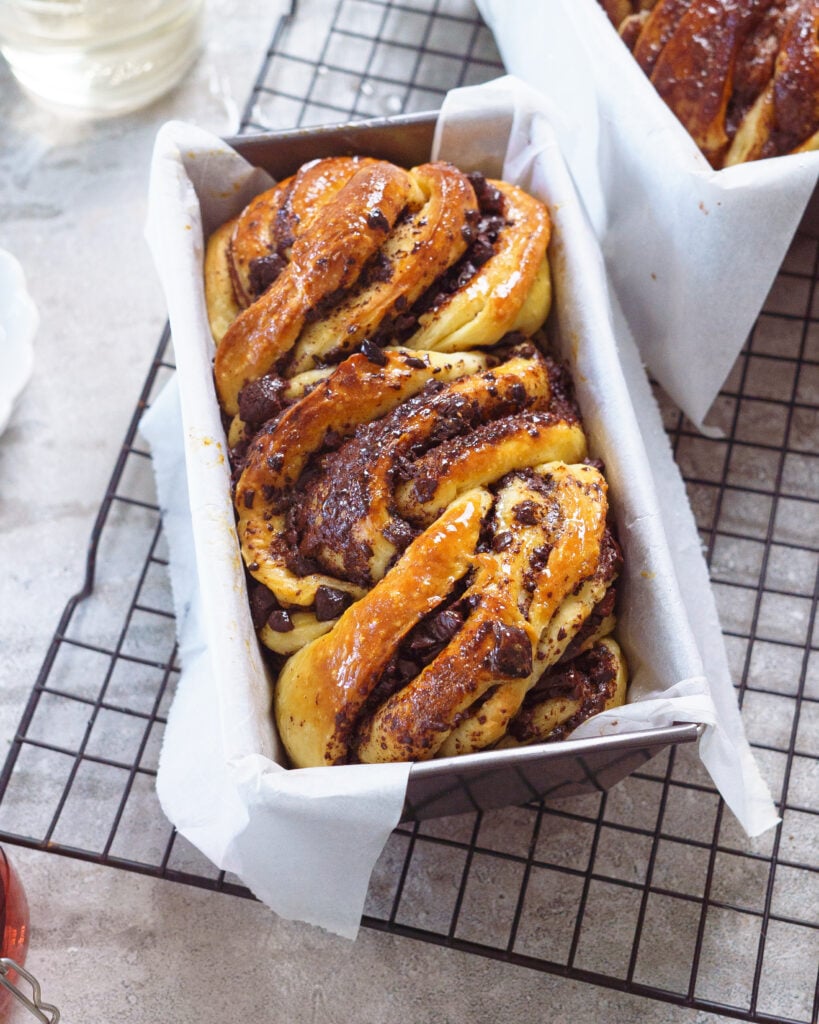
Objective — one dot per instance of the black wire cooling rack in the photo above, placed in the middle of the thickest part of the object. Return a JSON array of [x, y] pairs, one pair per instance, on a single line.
[[643, 889]]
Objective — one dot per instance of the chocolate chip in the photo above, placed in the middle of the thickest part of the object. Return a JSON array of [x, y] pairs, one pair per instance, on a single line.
[[526, 513], [539, 557], [481, 251], [377, 221], [399, 533], [249, 497], [373, 352], [502, 540], [415, 362], [467, 272], [517, 394], [262, 603], [433, 634], [304, 566], [260, 400], [446, 624], [406, 669], [263, 272], [405, 325], [330, 603], [490, 198], [511, 655], [280, 621]]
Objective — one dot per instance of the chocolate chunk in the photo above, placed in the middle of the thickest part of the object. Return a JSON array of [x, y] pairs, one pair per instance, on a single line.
[[260, 400], [446, 624], [490, 198], [262, 603], [399, 533], [330, 603], [425, 487], [517, 393], [301, 565], [557, 682], [491, 227], [539, 558], [526, 513], [405, 325], [431, 635], [373, 352], [280, 621], [481, 250], [511, 655], [467, 272], [502, 540], [415, 362], [263, 272], [406, 669], [378, 269], [376, 220]]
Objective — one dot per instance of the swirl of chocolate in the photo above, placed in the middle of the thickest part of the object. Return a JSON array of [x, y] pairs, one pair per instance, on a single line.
[[429, 238], [422, 533], [465, 696], [473, 430], [325, 259], [567, 694], [269, 225], [510, 289]]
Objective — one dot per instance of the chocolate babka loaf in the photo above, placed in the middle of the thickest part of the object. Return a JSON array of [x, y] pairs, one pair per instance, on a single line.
[[741, 75], [431, 562]]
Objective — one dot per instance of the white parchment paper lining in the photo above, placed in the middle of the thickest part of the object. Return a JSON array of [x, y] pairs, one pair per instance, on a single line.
[[306, 841], [691, 252]]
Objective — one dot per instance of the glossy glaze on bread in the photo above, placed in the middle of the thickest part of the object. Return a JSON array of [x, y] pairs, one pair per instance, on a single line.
[[424, 534], [741, 75]]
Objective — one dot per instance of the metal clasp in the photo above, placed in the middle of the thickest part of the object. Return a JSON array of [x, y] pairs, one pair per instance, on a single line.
[[44, 1012]]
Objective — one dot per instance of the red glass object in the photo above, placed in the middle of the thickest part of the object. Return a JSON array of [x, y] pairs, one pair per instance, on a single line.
[[13, 921]]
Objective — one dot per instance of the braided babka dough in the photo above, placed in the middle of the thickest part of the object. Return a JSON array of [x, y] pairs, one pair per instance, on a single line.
[[430, 556], [741, 75]]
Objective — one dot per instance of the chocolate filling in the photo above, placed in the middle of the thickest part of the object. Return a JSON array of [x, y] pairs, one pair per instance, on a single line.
[[263, 271], [331, 602], [589, 678], [260, 400]]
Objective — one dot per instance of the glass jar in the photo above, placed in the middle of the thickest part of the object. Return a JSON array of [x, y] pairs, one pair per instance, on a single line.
[[99, 57], [13, 924]]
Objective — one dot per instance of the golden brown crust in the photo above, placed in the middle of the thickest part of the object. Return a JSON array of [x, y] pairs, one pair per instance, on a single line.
[[494, 654], [694, 71], [327, 257], [220, 297], [510, 292], [359, 392], [271, 222], [323, 687], [741, 75], [420, 531], [428, 240]]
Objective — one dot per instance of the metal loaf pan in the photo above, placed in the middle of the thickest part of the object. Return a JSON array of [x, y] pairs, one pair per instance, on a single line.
[[488, 779]]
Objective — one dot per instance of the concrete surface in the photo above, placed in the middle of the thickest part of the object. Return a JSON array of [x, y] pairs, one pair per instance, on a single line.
[[109, 945]]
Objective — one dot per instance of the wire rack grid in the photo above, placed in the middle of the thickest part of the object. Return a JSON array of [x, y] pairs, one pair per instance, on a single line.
[[586, 887]]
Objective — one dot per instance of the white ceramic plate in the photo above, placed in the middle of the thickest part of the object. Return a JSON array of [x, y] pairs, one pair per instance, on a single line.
[[18, 323]]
